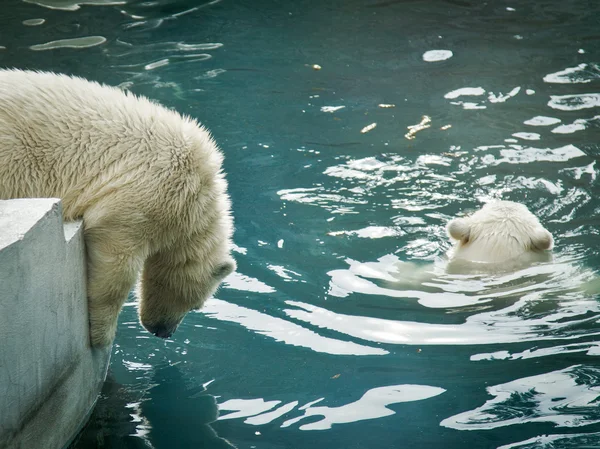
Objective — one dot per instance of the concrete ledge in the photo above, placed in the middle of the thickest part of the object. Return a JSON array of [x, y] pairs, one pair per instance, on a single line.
[[49, 376]]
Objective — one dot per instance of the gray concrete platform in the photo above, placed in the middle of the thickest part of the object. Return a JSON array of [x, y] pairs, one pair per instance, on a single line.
[[49, 376]]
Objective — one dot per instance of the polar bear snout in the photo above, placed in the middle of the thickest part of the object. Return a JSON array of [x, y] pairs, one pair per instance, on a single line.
[[162, 330], [169, 291], [161, 324]]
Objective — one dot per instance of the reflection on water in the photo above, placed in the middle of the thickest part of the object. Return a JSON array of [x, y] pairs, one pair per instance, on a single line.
[[583, 73], [567, 441], [507, 325], [567, 398], [373, 404], [353, 132], [285, 331], [592, 349], [145, 416]]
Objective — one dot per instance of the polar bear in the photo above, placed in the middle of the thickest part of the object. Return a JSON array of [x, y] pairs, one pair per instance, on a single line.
[[502, 235], [147, 182]]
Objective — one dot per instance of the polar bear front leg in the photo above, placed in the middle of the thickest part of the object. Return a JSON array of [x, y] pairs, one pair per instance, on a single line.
[[113, 266]]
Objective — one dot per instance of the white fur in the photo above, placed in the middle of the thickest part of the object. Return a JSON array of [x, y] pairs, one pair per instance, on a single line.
[[501, 237], [146, 181], [501, 232]]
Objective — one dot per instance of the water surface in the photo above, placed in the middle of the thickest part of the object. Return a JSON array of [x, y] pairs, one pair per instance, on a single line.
[[353, 131]]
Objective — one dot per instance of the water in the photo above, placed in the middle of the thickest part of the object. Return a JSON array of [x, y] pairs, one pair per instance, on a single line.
[[313, 343]]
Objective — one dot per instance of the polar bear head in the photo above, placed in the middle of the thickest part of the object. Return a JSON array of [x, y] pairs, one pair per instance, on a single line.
[[179, 280], [501, 232], [194, 255]]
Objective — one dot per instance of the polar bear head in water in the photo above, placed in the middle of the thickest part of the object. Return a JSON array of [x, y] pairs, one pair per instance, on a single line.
[[502, 233]]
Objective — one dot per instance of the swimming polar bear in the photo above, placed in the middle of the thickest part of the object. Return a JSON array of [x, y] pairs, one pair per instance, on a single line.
[[502, 235], [146, 181]]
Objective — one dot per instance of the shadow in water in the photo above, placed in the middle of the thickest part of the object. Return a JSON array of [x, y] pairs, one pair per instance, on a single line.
[[153, 417]]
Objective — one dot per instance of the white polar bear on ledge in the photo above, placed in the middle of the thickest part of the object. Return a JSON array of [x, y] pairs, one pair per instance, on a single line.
[[501, 235], [146, 181]]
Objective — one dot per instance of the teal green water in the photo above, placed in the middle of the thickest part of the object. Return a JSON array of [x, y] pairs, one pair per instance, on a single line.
[[312, 344]]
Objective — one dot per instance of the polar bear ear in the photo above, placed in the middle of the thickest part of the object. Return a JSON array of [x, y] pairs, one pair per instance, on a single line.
[[459, 229], [224, 269], [542, 240]]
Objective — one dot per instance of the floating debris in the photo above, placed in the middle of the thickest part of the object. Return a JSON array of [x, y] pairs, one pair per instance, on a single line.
[[331, 109], [368, 128], [384, 105], [414, 129], [445, 127]]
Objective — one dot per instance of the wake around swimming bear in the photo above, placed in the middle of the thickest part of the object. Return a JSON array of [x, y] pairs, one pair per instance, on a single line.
[[146, 181]]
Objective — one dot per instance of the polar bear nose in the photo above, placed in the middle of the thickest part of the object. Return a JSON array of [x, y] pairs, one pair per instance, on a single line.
[[160, 330], [163, 332]]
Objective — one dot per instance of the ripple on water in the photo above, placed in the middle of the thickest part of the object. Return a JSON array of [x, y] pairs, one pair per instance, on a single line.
[[566, 398], [78, 42], [33, 22], [284, 331], [583, 73], [541, 120], [492, 97], [574, 102], [567, 441], [146, 16], [577, 125], [173, 60], [518, 154], [145, 64], [590, 349], [561, 319], [358, 179], [73, 5]]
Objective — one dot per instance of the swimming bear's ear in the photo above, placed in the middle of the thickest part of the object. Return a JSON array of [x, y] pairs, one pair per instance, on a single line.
[[542, 240], [224, 269], [459, 229]]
